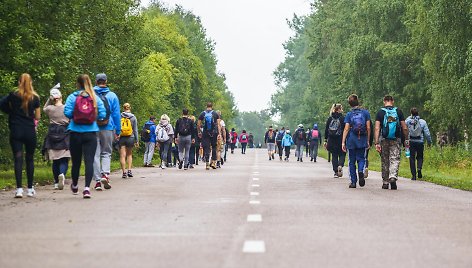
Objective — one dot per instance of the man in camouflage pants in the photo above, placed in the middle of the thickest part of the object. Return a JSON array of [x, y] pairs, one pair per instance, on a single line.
[[387, 136]]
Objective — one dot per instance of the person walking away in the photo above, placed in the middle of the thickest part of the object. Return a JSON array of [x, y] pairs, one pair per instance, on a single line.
[[23, 108], [269, 140], [110, 129], [333, 136], [148, 136], [278, 139], [193, 156], [234, 139], [243, 139], [57, 139], [83, 107], [300, 140], [128, 140], [287, 142], [209, 130], [164, 137], [221, 141], [227, 144], [307, 143], [315, 138], [184, 129], [250, 140], [418, 131], [355, 139], [389, 126], [371, 142]]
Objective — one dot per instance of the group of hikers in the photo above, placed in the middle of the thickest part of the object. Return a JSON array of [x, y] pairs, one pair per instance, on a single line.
[[354, 134], [90, 124]]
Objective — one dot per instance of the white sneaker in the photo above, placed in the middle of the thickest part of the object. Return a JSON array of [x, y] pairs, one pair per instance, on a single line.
[[163, 165], [62, 181], [56, 186], [340, 171], [31, 192], [19, 193]]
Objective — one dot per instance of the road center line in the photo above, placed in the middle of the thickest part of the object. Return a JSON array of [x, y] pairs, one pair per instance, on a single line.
[[255, 202], [254, 193], [255, 179], [255, 185], [254, 246], [254, 218]]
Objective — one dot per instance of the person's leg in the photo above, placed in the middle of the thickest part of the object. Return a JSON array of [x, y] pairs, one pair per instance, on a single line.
[[206, 148], [342, 159], [152, 145], [352, 166], [214, 147], [187, 144], [169, 152], [123, 158], [106, 139], [129, 157], [17, 149], [147, 146], [55, 169], [75, 147], [385, 161], [420, 157], [413, 157], [191, 157], [181, 148], [89, 148], [360, 159], [335, 161], [165, 151], [97, 175], [395, 151], [287, 152], [64, 165], [314, 150]]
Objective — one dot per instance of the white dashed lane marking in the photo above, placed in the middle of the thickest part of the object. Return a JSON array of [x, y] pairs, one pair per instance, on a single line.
[[255, 202], [255, 179], [254, 218], [255, 185], [254, 246], [254, 193]]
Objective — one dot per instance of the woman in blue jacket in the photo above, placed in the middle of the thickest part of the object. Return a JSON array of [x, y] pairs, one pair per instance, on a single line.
[[83, 130], [287, 142]]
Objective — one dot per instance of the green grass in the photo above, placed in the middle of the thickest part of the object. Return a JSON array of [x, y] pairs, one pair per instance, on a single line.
[[450, 166]]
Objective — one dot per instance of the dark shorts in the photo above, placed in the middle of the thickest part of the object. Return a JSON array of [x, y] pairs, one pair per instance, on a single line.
[[128, 142]]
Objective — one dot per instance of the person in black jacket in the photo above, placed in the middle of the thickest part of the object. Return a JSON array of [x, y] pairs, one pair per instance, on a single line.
[[184, 138], [333, 139], [299, 137]]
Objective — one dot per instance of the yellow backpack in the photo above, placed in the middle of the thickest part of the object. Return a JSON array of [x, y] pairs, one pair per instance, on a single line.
[[126, 128]]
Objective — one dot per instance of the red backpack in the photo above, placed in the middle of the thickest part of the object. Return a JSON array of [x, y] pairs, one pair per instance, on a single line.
[[84, 112]]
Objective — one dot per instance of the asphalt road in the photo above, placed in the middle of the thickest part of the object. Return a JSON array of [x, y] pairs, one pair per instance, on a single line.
[[251, 213]]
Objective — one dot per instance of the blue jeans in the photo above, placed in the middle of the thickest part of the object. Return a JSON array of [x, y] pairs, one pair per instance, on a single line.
[[59, 166], [358, 156]]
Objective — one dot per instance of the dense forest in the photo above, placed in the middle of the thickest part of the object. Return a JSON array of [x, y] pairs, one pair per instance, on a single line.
[[419, 51], [158, 60]]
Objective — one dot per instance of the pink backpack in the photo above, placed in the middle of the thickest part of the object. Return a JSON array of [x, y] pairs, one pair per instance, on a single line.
[[84, 112], [314, 134]]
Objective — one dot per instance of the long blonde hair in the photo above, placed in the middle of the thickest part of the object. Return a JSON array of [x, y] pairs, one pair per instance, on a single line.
[[84, 82], [26, 91], [336, 108]]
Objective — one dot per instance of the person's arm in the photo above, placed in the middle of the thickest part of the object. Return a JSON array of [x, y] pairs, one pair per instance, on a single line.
[[427, 134], [199, 126], [224, 134], [115, 112], [135, 130], [369, 130], [177, 123], [69, 107], [405, 133], [376, 136], [102, 112], [46, 105], [345, 132]]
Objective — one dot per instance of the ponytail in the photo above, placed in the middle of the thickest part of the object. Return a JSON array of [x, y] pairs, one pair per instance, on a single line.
[[26, 91], [84, 82]]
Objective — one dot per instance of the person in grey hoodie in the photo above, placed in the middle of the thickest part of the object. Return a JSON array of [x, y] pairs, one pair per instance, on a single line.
[[164, 137], [128, 139], [110, 129], [418, 131]]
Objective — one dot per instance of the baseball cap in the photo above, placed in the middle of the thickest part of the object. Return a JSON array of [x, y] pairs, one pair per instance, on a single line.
[[101, 77], [300, 125], [54, 92]]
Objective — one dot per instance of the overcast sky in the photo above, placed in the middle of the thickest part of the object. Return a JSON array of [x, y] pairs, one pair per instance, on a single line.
[[249, 35]]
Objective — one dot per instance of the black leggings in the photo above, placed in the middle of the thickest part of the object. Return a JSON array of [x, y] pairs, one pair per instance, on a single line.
[[243, 148], [280, 148], [209, 143], [82, 144], [18, 137], [338, 159], [287, 152], [59, 166], [416, 155]]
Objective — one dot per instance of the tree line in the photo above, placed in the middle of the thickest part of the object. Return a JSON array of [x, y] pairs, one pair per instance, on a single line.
[[419, 51], [159, 60]]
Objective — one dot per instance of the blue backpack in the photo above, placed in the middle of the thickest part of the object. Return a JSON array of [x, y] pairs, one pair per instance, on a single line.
[[358, 122], [391, 123], [209, 120]]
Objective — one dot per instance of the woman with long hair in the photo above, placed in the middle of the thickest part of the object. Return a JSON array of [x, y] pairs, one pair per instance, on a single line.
[[333, 139], [83, 108], [23, 108], [128, 139], [57, 140]]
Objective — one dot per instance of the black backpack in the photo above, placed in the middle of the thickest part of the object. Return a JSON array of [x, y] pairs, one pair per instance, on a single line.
[[104, 121], [185, 126], [146, 132]]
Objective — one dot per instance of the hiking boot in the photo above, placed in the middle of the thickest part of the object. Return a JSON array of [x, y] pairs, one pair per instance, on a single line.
[[207, 166], [273, 157], [74, 189], [393, 185], [86, 194], [311, 159], [301, 159], [314, 160], [180, 164], [352, 185], [413, 178], [130, 174], [366, 172], [98, 186], [280, 158], [185, 166], [298, 159], [420, 175], [340, 171], [124, 176], [145, 165], [19, 193], [105, 181], [385, 186], [336, 175], [361, 179], [62, 181], [218, 164]]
